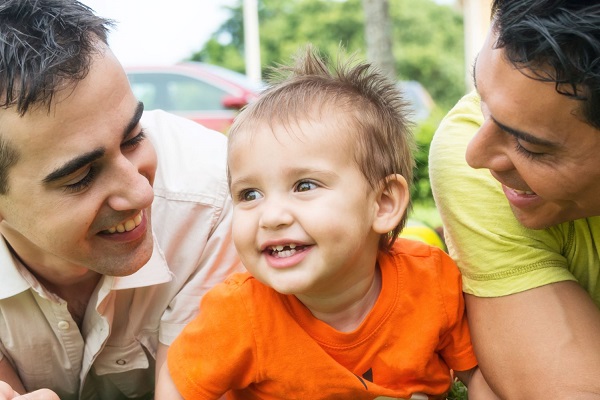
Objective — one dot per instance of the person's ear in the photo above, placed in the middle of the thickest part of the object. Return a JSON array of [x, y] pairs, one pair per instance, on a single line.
[[392, 201]]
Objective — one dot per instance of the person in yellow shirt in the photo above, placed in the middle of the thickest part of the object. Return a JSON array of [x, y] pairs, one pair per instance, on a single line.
[[515, 172]]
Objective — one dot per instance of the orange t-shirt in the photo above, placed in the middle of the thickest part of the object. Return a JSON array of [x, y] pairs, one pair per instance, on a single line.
[[259, 344]]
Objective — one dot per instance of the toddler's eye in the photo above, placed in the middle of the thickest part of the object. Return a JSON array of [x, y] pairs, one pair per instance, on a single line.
[[305, 186], [250, 195]]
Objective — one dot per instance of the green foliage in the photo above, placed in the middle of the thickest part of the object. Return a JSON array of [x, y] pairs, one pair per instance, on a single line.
[[427, 39], [458, 392], [429, 47], [421, 189]]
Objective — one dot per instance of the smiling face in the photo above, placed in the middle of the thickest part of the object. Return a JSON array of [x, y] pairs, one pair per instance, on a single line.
[[80, 193], [303, 211], [535, 142]]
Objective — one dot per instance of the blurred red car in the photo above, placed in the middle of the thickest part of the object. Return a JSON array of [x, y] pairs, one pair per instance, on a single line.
[[205, 93]]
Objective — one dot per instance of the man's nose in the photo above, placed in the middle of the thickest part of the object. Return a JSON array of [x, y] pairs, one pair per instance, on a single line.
[[488, 148], [131, 187]]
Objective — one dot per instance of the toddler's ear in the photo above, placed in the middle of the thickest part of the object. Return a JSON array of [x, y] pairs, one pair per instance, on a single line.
[[392, 200]]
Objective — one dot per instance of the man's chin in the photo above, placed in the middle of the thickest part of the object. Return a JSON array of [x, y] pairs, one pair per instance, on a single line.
[[531, 220], [125, 265]]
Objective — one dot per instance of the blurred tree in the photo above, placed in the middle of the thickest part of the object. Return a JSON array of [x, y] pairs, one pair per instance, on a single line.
[[378, 36], [427, 39]]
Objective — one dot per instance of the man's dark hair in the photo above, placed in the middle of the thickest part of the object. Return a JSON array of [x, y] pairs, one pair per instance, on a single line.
[[555, 41], [45, 46]]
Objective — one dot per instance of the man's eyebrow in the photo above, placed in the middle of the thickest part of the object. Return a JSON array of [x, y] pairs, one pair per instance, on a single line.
[[79, 162], [134, 120], [525, 136], [73, 165]]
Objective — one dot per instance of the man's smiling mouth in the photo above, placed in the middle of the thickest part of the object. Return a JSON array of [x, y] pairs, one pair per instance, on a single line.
[[521, 192], [126, 226]]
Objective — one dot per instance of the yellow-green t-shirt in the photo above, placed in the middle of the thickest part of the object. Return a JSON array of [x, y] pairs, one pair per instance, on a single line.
[[498, 256]]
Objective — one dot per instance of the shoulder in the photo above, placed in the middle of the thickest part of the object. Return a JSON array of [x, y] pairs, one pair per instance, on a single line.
[[180, 142], [424, 260], [165, 129], [428, 279], [458, 126], [191, 158], [416, 249]]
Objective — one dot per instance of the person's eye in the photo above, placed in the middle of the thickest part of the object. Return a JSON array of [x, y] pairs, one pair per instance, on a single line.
[[82, 183], [304, 186], [249, 195], [525, 152], [134, 141]]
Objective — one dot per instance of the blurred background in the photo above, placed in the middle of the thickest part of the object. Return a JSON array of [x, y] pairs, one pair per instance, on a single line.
[[205, 59]]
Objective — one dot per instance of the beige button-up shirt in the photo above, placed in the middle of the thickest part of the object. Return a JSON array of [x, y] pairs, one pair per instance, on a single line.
[[113, 355]]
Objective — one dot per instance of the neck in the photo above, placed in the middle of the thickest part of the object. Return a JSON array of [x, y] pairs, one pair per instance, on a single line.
[[346, 313], [74, 285], [76, 295]]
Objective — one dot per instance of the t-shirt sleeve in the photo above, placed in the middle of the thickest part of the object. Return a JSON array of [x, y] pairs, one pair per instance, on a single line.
[[497, 256], [216, 351]]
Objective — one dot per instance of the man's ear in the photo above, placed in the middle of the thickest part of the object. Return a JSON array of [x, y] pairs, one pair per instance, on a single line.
[[392, 201]]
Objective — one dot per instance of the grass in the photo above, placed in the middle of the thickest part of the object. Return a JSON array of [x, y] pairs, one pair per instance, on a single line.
[[458, 392]]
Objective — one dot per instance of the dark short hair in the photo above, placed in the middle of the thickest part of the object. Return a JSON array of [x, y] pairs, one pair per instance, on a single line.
[[374, 116], [554, 41], [45, 45]]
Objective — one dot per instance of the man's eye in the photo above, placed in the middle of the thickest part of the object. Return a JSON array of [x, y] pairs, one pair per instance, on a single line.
[[134, 141], [250, 195], [525, 152], [304, 186], [82, 183]]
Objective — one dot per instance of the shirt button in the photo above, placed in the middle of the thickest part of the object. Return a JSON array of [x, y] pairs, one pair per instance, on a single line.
[[63, 325], [121, 362]]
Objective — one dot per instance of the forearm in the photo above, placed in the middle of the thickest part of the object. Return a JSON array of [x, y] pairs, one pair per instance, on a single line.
[[9, 376], [11, 386], [476, 384], [165, 387], [539, 344]]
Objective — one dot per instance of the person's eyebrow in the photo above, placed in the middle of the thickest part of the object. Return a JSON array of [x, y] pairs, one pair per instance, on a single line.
[[134, 120], [473, 72], [524, 135], [79, 162]]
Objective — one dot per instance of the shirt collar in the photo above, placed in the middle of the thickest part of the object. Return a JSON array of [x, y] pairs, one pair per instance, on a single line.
[[14, 281]]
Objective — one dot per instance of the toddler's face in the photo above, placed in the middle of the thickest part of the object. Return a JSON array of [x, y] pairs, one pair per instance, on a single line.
[[303, 211]]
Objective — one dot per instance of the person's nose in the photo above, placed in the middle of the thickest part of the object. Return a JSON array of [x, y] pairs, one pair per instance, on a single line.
[[131, 185], [275, 213], [488, 148]]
